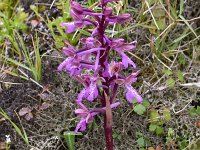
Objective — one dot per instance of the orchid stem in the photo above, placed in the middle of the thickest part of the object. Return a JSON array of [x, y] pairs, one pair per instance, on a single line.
[[108, 134]]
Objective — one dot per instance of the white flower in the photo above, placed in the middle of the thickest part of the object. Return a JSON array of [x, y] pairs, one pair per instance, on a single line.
[[1, 23], [8, 140]]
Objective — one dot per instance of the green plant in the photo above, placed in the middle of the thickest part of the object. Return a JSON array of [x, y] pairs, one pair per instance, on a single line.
[[117, 136], [70, 139], [173, 77], [157, 120], [142, 142], [11, 18], [31, 63], [194, 112], [140, 109], [21, 133]]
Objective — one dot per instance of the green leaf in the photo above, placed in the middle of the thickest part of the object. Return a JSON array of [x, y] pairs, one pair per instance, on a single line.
[[141, 142], [192, 112], [17, 129], [173, 12], [154, 116], [168, 72], [170, 82], [139, 109], [170, 132], [161, 23], [135, 101], [84, 32], [198, 110], [158, 13], [166, 114], [152, 127], [70, 139], [183, 144], [189, 26], [181, 7], [145, 103], [181, 59], [180, 76], [159, 130]]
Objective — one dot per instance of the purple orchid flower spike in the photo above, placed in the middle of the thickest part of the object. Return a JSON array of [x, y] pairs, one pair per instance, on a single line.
[[92, 66]]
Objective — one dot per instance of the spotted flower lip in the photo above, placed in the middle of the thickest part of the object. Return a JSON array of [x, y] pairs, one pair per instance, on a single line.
[[114, 68]]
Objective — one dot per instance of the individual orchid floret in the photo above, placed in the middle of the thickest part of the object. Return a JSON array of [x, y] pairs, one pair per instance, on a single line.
[[90, 90], [87, 116], [120, 46], [131, 93]]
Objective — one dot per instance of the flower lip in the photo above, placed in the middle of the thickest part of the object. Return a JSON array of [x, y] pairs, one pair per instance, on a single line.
[[114, 68]]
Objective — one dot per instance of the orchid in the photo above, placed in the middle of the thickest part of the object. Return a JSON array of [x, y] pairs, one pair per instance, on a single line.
[[87, 116], [91, 65]]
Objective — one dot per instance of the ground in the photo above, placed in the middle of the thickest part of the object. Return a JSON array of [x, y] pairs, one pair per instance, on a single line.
[[169, 60]]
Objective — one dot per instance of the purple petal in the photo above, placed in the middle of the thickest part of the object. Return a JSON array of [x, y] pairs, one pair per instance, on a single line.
[[97, 61], [81, 113], [68, 51], [74, 70], [81, 125], [89, 118], [81, 95], [131, 94], [87, 66], [92, 92], [108, 11], [119, 19], [76, 7], [114, 105], [126, 60], [70, 27], [132, 78], [64, 64], [127, 47], [117, 42], [88, 51]]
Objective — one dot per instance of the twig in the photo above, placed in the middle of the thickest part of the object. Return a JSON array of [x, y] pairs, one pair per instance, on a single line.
[[152, 15], [177, 112]]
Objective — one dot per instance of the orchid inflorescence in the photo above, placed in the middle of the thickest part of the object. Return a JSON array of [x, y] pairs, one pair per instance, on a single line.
[[93, 68]]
